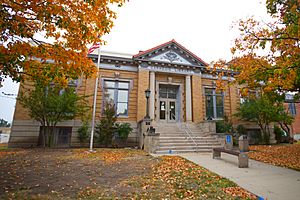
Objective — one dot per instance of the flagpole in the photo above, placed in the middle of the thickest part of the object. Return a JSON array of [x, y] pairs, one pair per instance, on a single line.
[[95, 101]]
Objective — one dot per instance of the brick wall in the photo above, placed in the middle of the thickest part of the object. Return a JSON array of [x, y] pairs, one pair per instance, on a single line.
[[296, 125], [143, 84], [197, 101]]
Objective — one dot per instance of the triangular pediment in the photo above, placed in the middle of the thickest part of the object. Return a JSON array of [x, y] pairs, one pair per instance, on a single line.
[[172, 57], [170, 52]]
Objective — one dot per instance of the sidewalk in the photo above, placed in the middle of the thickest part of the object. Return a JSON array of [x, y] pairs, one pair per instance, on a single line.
[[264, 180]]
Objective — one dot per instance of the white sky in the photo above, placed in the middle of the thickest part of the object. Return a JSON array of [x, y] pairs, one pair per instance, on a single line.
[[202, 26]]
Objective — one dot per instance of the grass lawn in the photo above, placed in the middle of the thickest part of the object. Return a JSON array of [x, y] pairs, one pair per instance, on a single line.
[[107, 174], [3, 146], [283, 155]]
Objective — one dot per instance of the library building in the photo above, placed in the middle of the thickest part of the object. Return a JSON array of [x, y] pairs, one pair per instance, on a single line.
[[167, 93]]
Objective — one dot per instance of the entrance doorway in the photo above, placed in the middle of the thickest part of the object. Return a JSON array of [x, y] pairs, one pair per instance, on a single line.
[[168, 106]]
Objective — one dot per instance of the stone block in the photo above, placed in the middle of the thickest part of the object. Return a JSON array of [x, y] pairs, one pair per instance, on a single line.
[[228, 142], [216, 154], [243, 160], [243, 143]]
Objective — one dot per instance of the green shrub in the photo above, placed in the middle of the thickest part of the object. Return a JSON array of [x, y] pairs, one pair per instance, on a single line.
[[220, 126], [224, 126], [241, 130], [278, 133], [83, 132], [124, 130], [121, 135], [106, 127], [110, 133]]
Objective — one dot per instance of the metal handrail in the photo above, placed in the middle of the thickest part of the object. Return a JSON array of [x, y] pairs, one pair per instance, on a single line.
[[187, 132]]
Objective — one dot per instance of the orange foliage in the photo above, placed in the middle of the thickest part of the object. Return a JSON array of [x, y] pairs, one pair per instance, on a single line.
[[219, 69], [279, 155], [182, 179], [109, 156], [239, 192], [68, 27], [266, 55], [10, 152]]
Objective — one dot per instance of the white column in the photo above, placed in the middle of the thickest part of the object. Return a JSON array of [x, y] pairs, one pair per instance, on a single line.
[[152, 95], [188, 98]]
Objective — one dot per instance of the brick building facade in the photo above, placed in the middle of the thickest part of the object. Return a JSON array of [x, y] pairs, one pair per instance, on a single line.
[[183, 91]]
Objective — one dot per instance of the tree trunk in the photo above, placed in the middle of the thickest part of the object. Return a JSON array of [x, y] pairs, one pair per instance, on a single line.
[[51, 130], [43, 136], [268, 133]]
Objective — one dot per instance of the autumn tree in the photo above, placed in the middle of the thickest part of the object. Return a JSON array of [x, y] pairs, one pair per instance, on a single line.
[[51, 104], [259, 111], [264, 111], [267, 55], [49, 38]]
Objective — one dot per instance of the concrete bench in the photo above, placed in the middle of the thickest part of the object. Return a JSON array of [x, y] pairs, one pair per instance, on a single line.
[[243, 159]]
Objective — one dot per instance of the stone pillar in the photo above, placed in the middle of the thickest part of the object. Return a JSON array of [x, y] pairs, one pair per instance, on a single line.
[[243, 160], [152, 95], [188, 98]]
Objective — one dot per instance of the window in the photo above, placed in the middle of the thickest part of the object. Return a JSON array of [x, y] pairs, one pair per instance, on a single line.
[[168, 91], [251, 94], [117, 92], [214, 103], [292, 109], [71, 84]]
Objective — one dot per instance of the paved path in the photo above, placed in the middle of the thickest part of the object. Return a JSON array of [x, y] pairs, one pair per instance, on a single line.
[[264, 180]]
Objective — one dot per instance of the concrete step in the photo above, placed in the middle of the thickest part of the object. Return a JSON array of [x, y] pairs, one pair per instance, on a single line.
[[175, 151], [183, 150], [206, 140], [185, 138], [184, 133], [181, 138], [188, 147], [187, 144], [162, 140]]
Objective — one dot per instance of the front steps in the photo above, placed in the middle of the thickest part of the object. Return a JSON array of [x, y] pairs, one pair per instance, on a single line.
[[183, 138]]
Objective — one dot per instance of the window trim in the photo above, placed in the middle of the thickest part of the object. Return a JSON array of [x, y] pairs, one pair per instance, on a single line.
[[116, 93], [214, 99]]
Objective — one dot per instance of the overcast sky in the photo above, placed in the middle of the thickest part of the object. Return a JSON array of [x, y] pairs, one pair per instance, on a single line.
[[202, 26]]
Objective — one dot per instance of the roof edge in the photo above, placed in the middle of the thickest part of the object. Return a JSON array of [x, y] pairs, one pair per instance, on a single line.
[[167, 43]]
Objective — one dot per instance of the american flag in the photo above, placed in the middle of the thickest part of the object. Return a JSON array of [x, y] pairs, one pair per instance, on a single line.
[[95, 46]]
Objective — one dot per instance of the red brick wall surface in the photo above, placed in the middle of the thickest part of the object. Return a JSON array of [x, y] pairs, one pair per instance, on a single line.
[[296, 125]]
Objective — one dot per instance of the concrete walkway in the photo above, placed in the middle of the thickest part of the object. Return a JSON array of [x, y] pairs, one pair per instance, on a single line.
[[264, 180]]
